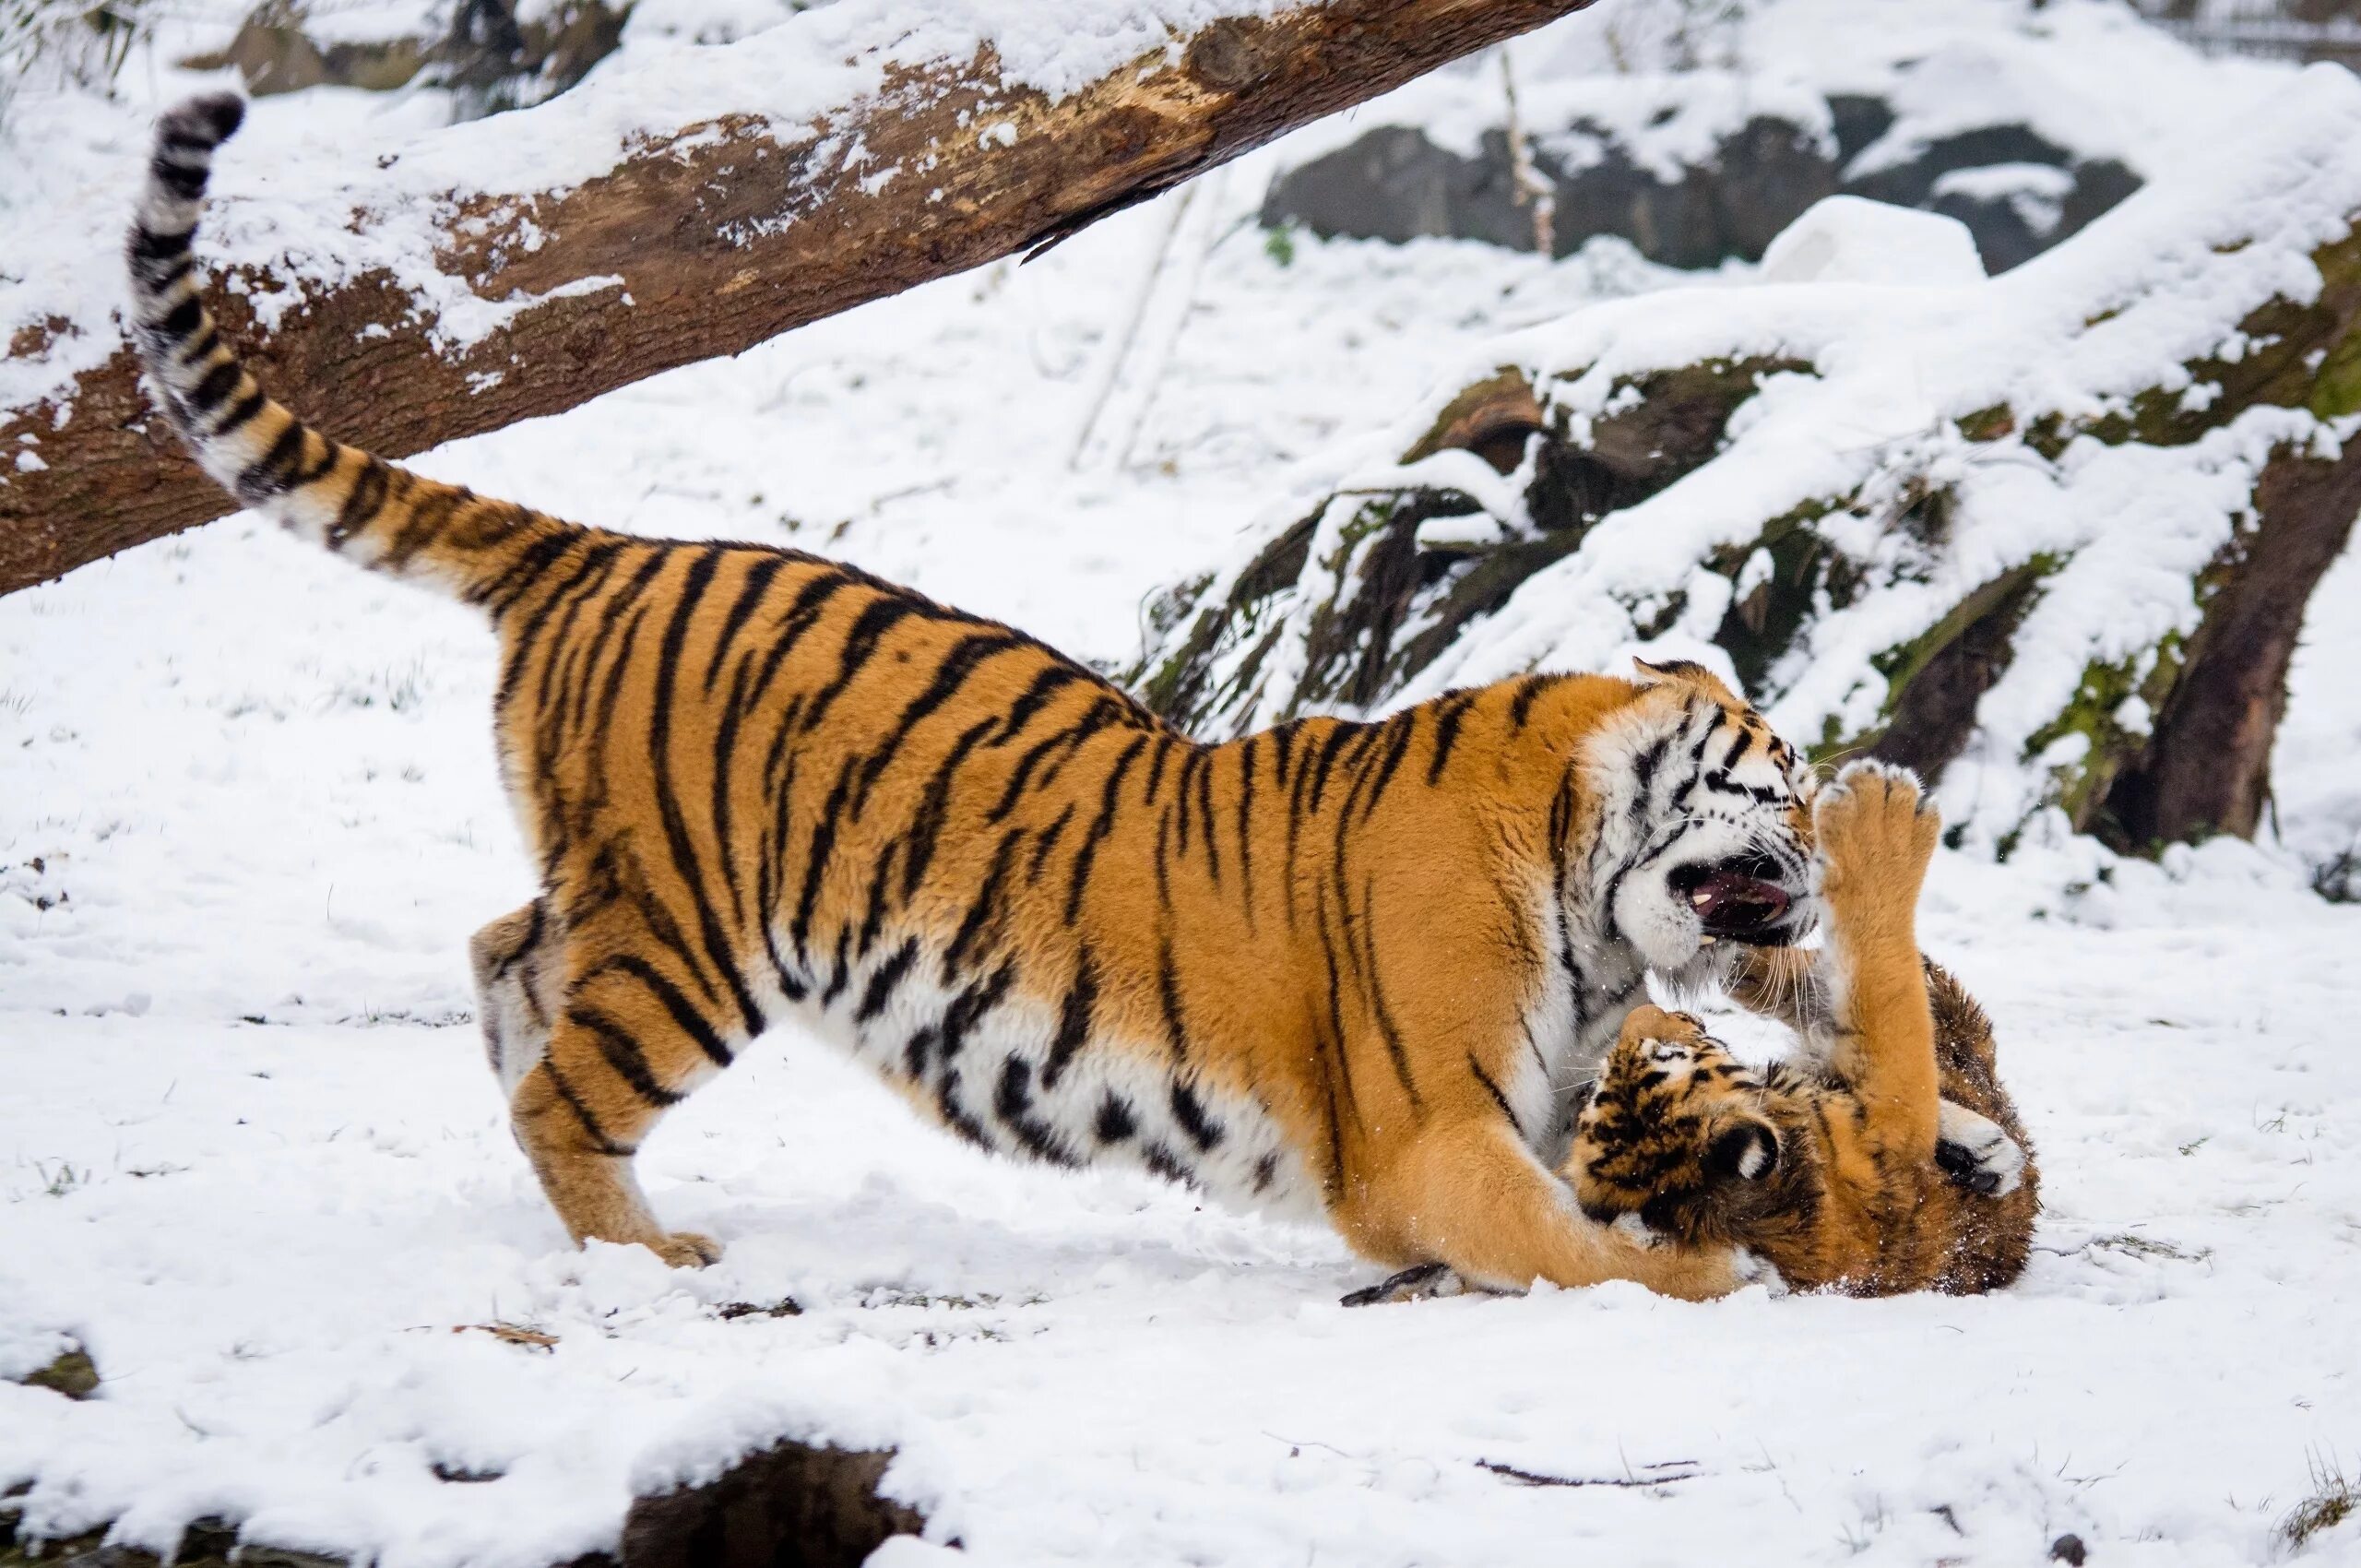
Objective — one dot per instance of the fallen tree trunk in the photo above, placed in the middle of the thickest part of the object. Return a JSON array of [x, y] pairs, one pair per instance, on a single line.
[[449, 307], [2048, 536]]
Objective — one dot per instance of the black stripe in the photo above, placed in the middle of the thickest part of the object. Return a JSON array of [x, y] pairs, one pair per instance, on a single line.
[[967, 1008], [1167, 994], [1024, 771], [623, 1054], [1115, 1119], [362, 503], [249, 408], [1246, 826], [1014, 1102], [987, 905], [1644, 773], [1047, 683], [271, 473], [203, 344], [1163, 745], [685, 860], [934, 809], [1365, 932], [530, 940], [1531, 687], [951, 673], [1338, 738], [1403, 727], [872, 918], [1075, 1019], [868, 628], [1205, 807], [840, 973], [1494, 1090], [768, 875], [1100, 827], [598, 559], [1049, 841], [599, 1137], [214, 388], [725, 773], [1190, 1112], [815, 862], [1448, 714], [520, 576], [181, 320], [433, 507], [184, 182], [886, 981], [750, 593], [810, 602], [153, 244], [1190, 763], [684, 1015]]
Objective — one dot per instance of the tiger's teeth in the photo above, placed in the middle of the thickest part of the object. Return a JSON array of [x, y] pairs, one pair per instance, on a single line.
[[1701, 899], [1707, 941]]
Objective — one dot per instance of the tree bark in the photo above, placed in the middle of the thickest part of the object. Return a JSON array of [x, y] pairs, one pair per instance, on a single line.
[[711, 241], [2206, 769]]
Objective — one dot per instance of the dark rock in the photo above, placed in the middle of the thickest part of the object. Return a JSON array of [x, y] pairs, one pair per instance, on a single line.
[[1858, 120], [789, 1506], [2069, 1550], [1396, 185]]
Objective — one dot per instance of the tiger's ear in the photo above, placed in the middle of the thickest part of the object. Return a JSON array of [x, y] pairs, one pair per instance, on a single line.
[[1685, 672], [1747, 1149]]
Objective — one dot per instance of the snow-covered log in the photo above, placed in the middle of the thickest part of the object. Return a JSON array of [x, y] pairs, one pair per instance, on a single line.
[[2050, 535], [674, 210]]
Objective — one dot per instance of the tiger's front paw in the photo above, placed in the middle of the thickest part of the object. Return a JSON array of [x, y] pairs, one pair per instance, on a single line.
[[1975, 1152], [1875, 832], [686, 1249]]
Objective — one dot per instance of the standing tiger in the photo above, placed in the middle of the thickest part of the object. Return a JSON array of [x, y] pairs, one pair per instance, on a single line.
[[1335, 968], [1885, 1156]]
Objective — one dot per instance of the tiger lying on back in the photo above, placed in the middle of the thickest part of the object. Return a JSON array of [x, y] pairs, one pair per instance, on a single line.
[[1828, 1165], [1337, 969]]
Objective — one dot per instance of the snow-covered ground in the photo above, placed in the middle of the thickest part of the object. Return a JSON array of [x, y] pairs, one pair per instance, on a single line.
[[251, 1157]]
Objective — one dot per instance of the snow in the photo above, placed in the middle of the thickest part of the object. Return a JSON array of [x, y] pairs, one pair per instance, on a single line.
[[1844, 239], [251, 1156], [1903, 338]]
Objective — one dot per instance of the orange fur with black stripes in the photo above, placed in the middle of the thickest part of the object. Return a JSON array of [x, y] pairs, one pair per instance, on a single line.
[[1841, 1169], [1342, 969]]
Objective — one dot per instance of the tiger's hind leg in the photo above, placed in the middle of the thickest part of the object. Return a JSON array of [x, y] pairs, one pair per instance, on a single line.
[[632, 1033], [519, 970]]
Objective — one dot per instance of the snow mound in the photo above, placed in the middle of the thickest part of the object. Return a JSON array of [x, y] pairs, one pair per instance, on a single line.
[[1846, 239]]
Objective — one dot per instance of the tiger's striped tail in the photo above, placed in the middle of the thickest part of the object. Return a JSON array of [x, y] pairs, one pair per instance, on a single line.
[[377, 512]]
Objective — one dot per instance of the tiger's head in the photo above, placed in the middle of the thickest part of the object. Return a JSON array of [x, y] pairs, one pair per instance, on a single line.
[[1678, 1132], [1704, 831]]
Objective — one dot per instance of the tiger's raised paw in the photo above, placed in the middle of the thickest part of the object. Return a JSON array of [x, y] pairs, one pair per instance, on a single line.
[[1975, 1152], [1875, 832]]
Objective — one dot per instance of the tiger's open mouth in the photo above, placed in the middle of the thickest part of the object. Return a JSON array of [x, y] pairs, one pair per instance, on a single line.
[[1734, 899]]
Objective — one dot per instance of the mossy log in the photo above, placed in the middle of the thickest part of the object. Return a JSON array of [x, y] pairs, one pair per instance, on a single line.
[[793, 1503], [2068, 589]]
